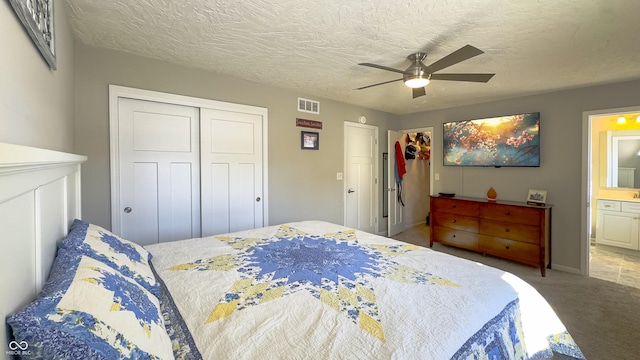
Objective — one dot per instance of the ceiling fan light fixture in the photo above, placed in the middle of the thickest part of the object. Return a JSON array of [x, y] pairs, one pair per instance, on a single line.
[[417, 82], [415, 76], [418, 75]]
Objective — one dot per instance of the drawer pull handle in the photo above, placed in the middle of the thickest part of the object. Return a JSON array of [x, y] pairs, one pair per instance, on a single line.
[[454, 221], [507, 212], [507, 247], [454, 235], [453, 206], [507, 230]]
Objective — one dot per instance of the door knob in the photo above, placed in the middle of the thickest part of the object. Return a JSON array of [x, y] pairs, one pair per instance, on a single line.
[[127, 210], [350, 191], [258, 199]]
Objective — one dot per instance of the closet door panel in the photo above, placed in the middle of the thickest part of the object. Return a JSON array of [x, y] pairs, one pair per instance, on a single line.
[[144, 227], [181, 202], [246, 198], [158, 171], [218, 221], [232, 165]]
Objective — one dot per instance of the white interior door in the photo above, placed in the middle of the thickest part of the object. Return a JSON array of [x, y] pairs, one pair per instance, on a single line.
[[395, 222], [158, 149], [232, 171], [361, 171]]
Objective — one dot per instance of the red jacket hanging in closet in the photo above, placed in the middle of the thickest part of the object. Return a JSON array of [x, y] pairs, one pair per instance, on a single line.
[[400, 164]]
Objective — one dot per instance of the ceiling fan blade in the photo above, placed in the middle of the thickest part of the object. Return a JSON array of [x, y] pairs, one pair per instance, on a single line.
[[417, 92], [462, 54], [381, 67], [382, 83], [463, 77]]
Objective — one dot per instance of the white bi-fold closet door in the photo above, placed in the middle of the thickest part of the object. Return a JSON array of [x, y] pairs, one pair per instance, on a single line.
[[185, 171]]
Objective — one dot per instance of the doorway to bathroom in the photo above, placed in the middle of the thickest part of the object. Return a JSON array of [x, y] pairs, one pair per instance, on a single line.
[[611, 195]]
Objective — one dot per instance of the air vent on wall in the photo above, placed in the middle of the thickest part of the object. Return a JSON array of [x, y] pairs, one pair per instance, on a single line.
[[309, 106]]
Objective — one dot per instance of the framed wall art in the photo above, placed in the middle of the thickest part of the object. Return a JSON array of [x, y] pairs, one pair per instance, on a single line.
[[309, 140], [37, 18]]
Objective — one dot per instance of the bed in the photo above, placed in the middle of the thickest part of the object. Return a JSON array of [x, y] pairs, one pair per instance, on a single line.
[[303, 290]]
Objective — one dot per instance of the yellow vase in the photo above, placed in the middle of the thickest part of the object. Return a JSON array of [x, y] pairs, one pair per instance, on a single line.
[[492, 194]]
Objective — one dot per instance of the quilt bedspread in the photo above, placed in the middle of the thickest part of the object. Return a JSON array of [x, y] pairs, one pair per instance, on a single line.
[[317, 290]]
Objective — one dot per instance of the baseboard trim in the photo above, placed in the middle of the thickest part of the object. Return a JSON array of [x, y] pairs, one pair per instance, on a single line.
[[419, 223], [566, 269]]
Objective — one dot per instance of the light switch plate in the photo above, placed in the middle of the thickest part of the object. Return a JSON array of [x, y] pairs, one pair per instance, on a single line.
[[339, 176]]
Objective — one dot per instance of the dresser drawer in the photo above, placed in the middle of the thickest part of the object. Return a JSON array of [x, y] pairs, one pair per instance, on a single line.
[[514, 250], [518, 214], [456, 221], [454, 206], [610, 205], [513, 231], [455, 237]]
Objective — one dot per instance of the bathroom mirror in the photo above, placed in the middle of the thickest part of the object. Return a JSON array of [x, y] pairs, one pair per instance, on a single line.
[[623, 170]]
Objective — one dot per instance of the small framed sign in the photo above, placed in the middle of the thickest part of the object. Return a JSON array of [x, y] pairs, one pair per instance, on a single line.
[[309, 123], [537, 197], [309, 140]]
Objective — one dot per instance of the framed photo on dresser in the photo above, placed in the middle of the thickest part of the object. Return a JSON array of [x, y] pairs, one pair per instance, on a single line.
[[537, 197]]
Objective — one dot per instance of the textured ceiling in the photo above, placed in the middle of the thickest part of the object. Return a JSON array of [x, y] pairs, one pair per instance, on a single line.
[[314, 46]]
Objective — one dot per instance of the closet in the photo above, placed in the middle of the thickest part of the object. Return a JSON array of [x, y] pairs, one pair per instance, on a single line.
[[184, 167], [408, 202]]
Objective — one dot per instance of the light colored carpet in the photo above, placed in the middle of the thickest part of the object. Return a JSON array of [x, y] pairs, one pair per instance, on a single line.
[[603, 317]]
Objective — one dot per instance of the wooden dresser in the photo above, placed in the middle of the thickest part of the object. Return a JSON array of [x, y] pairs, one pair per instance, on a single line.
[[507, 229]]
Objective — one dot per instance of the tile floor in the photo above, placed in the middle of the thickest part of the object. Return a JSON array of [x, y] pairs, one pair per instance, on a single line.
[[621, 268]]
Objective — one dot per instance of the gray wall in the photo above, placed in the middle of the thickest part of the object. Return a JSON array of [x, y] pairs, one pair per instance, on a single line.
[[560, 172], [302, 183], [37, 107], [36, 103]]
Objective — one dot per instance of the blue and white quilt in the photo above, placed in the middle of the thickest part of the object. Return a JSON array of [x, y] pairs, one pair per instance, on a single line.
[[314, 290]]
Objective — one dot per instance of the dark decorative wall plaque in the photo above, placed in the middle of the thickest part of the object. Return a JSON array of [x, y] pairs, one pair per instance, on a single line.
[[37, 18], [309, 123]]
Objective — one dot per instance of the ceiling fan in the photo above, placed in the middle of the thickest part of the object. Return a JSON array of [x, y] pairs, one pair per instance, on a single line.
[[418, 75]]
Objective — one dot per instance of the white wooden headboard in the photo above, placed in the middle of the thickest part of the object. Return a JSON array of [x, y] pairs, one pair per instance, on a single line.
[[39, 198]]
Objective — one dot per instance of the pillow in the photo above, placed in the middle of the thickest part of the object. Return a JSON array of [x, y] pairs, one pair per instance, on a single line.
[[129, 258], [92, 311]]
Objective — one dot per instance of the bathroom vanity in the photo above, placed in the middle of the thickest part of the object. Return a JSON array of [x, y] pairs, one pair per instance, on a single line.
[[618, 223]]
